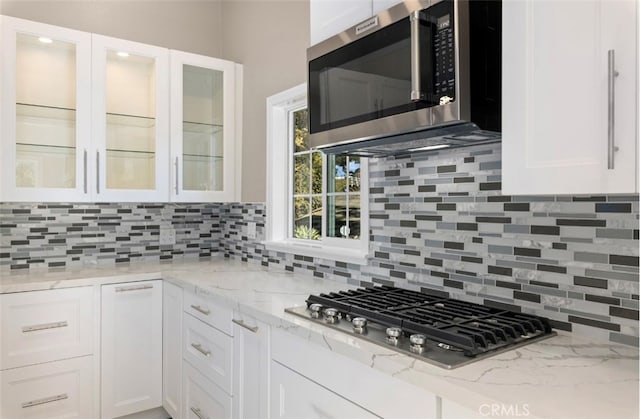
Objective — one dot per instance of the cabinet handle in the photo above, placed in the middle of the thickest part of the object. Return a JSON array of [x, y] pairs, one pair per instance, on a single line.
[[612, 74], [241, 323], [177, 177], [44, 326], [97, 172], [197, 412], [134, 288], [416, 92], [201, 310], [200, 349], [85, 172], [45, 400]]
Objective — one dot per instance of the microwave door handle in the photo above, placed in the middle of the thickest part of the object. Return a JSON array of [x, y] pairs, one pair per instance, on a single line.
[[416, 89]]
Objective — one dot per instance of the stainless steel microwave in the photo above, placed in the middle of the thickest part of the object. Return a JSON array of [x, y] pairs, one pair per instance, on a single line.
[[424, 74]]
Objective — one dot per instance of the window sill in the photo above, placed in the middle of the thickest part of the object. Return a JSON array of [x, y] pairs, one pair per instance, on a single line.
[[355, 256]]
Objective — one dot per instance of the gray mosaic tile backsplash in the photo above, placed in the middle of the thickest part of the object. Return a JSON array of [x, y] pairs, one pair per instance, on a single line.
[[58, 235], [438, 222]]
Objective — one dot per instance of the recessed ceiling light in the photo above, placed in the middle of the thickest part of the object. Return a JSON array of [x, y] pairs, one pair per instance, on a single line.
[[123, 54], [430, 147], [45, 40]]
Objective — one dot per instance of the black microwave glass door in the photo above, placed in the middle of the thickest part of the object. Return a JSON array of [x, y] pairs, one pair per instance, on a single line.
[[370, 78]]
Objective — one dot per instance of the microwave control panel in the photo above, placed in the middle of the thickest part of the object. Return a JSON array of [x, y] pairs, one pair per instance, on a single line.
[[444, 52]]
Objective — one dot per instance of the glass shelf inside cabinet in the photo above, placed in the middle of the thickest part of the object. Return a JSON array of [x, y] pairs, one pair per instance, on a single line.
[[201, 128], [44, 126], [130, 133]]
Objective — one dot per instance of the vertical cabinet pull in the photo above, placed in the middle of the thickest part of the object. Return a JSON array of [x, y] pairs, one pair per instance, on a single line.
[[200, 309], [45, 400], [611, 90], [177, 177], [97, 172], [86, 186]]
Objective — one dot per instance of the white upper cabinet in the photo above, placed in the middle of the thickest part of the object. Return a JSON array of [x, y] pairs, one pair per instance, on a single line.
[[45, 103], [330, 17], [203, 121], [130, 120], [569, 111], [382, 5], [85, 117]]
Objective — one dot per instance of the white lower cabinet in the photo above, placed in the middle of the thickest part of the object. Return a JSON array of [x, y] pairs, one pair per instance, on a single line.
[[207, 353], [131, 344], [59, 389], [371, 391], [202, 398], [172, 349], [42, 326], [251, 358], [294, 396], [209, 350], [451, 410], [46, 354]]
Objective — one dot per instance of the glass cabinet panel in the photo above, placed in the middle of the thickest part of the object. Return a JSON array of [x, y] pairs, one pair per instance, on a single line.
[[203, 119], [130, 121], [45, 116], [202, 129]]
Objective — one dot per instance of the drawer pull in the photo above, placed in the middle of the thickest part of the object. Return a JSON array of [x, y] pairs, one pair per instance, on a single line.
[[241, 323], [134, 288], [45, 326], [197, 412], [45, 400], [200, 349], [204, 311]]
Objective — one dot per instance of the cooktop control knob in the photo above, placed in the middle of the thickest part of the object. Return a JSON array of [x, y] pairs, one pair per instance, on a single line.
[[393, 335], [331, 315], [417, 342], [359, 324], [315, 310]]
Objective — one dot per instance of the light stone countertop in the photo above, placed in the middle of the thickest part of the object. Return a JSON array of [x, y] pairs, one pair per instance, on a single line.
[[562, 377]]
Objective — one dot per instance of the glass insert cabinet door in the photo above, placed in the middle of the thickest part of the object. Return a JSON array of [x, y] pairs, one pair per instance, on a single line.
[[202, 128], [45, 111], [131, 120]]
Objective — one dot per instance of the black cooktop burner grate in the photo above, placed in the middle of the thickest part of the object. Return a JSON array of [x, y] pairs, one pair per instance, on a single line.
[[470, 327]]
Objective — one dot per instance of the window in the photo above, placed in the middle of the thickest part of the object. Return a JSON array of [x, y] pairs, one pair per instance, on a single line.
[[315, 203]]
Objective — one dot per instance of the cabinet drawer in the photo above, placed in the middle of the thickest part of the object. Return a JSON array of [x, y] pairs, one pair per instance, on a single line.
[[43, 326], [205, 310], [209, 350], [201, 398], [60, 389]]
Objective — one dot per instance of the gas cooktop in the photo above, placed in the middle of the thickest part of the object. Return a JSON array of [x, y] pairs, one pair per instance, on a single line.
[[442, 331]]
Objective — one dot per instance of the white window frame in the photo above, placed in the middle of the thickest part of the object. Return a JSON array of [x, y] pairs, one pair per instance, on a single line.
[[279, 190]]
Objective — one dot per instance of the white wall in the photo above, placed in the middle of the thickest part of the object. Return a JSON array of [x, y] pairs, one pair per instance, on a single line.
[[188, 25], [270, 37]]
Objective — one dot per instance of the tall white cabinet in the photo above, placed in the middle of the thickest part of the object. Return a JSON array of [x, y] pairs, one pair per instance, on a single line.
[[131, 343], [84, 117], [569, 111]]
